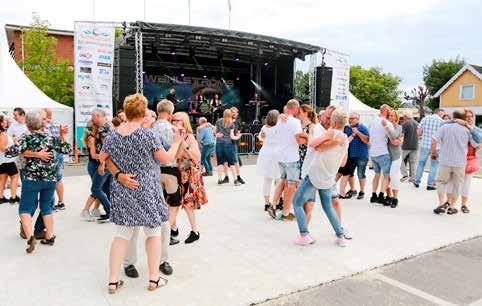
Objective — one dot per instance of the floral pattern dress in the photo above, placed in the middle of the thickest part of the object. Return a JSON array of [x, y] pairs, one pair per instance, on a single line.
[[193, 192], [144, 206], [36, 169]]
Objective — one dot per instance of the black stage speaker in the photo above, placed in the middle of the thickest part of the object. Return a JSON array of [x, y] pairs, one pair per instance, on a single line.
[[324, 77], [124, 75]]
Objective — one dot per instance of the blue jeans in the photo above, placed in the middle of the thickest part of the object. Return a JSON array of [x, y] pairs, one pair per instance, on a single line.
[[36, 193], [207, 151], [101, 189], [302, 195], [425, 154]]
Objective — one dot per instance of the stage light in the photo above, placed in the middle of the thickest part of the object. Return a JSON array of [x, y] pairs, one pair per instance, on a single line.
[[173, 51], [205, 76], [237, 79], [266, 63], [182, 74], [236, 58]]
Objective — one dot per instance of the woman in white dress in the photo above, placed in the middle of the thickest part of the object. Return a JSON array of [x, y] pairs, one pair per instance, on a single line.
[[268, 157]]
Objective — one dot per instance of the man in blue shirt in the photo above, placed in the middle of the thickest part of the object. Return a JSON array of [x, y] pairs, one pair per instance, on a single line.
[[206, 139], [358, 136]]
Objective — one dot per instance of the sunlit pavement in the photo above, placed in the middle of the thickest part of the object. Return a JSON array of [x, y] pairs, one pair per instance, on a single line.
[[243, 256]]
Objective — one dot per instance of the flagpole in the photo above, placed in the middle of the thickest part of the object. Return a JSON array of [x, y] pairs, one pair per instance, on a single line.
[[144, 10], [189, 10], [229, 14]]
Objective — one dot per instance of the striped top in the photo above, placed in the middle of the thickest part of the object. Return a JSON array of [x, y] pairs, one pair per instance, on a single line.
[[429, 126], [453, 140]]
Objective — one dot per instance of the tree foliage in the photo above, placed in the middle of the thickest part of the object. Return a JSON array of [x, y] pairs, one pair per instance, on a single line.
[[375, 87], [440, 72], [302, 85], [54, 77]]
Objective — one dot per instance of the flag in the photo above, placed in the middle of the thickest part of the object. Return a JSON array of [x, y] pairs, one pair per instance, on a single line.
[[229, 5]]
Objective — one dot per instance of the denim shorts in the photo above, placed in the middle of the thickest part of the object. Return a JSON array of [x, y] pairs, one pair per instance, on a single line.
[[290, 171], [225, 153], [33, 192], [59, 166], [381, 164]]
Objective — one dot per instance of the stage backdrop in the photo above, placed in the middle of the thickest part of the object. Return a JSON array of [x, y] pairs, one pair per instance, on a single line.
[[157, 87], [93, 60]]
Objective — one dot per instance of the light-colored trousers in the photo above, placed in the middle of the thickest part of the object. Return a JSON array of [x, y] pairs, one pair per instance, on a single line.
[[131, 257]]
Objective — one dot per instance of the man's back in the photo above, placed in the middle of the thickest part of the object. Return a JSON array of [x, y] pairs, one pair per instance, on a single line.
[[453, 139], [410, 139], [429, 126], [378, 137], [288, 145]]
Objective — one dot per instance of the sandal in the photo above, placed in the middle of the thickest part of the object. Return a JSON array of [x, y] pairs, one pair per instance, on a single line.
[[156, 284], [465, 209], [31, 244], [451, 211], [117, 285], [441, 209], [50, 241]]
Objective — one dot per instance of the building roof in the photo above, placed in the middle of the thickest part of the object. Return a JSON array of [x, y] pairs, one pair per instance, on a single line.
[[476, 70], [16, 27]]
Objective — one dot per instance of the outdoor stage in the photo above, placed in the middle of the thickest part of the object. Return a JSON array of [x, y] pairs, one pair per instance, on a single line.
[[199, 62], [243, 256]]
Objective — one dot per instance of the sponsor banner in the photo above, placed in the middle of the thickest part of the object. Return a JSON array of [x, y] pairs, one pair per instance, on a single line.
[[340, 86], [93, 62]]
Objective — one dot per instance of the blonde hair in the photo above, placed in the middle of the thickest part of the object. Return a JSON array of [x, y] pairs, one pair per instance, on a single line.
[[396, 115], [385, 107], [272, 117], [227, 118], [339, 117], [186, 123], [165, 106], [309, 113], [292, 104], [135, 106]]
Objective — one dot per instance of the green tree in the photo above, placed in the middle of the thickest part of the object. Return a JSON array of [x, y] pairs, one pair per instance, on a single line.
[[375, 87], [302, 85], [54, 78], [438, 73]]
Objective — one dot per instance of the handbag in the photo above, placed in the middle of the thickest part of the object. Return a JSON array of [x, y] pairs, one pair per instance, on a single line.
[[472, 166]]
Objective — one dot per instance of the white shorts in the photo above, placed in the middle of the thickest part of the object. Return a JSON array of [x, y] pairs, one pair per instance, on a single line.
[[126, 232], [395, 173]]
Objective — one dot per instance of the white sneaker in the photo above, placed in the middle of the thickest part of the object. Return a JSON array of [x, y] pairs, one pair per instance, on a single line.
[[85, 215], [341, 242], [346, 234], [95, 213]]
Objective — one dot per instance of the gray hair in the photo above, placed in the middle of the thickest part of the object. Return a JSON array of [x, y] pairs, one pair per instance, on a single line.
[[408, 115], [99, 112], [202, 120], [33, 121], [356, 114]]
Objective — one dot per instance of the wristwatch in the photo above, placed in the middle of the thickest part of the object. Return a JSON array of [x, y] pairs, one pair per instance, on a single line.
[[186, 148], [116, 175]]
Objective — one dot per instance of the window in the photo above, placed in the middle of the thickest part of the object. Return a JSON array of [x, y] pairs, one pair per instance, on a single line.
[[467, 92]]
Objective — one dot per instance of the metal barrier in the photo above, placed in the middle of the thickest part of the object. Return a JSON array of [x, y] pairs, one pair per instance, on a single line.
[[257, 143], [246, 143]]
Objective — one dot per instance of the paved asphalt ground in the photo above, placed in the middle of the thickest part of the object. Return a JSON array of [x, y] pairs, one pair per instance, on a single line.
[[449, 276]]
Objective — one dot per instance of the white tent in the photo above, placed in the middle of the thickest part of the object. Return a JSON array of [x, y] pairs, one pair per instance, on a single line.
[[367, 113], [16, 89]]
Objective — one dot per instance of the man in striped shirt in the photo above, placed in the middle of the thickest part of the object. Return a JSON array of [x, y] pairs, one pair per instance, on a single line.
[[452, 156], [427, 129]]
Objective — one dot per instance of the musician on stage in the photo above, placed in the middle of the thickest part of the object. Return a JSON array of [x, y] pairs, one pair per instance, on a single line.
[[171, 96], [215, 105]]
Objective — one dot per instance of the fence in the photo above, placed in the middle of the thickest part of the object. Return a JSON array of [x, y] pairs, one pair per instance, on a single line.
[[249, 144]]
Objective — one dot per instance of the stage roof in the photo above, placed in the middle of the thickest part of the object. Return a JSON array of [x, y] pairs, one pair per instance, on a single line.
[[210, 42]]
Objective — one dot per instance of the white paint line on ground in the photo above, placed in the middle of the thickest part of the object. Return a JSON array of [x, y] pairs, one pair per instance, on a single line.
[[409, 289]]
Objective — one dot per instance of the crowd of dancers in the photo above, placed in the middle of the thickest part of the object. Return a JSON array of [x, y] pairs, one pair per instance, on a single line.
[[304, 154], [145, 166]]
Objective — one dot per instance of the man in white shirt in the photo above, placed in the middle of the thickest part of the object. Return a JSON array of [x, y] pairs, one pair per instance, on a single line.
[[379, 153], [289, 162], [18, 128]]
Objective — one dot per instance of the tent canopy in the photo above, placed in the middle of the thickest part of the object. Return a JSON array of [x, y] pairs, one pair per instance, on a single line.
[[16, 89], [367, 113]]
